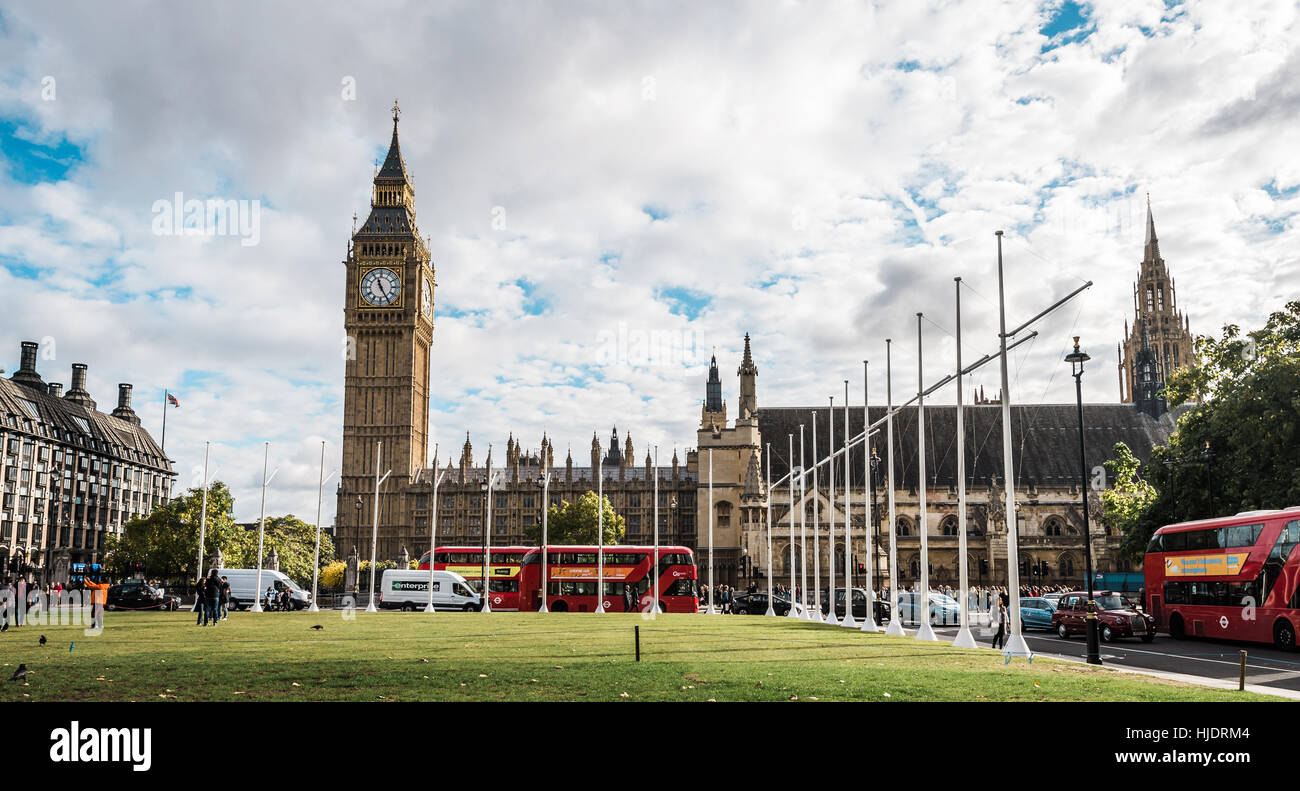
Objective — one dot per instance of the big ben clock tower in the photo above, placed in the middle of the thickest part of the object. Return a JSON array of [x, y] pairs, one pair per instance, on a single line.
[[388, 317]]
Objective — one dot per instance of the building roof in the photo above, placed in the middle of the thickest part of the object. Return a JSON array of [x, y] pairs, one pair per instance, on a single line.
[[531, 471], [74, 424], [1045, 440]]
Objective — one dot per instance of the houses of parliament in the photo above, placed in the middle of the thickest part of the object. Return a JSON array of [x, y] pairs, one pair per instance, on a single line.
[[389, 320]]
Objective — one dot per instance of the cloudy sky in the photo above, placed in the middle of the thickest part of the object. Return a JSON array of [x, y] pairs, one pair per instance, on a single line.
[[614, 190]]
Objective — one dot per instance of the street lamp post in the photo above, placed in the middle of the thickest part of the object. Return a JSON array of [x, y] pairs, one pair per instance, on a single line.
[[1207, 455], [1076, 359]]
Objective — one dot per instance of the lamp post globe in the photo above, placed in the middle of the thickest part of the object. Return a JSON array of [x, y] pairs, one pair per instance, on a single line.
[[1076, 359]]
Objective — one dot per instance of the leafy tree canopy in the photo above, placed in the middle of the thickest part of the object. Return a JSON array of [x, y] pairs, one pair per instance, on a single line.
[[577, 523]]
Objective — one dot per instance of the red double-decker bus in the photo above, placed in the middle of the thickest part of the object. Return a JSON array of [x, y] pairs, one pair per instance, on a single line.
[[503, 570], [572, 577], [1235, 578]]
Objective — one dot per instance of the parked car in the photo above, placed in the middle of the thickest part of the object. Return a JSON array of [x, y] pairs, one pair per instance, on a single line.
[[881, 607], [756, 604], [139, 595], [944, 610], [1036, 613], [1115, 618], [1054, 598]]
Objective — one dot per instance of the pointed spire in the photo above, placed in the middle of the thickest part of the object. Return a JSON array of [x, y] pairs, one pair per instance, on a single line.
[[1151, 249], [394, 167]]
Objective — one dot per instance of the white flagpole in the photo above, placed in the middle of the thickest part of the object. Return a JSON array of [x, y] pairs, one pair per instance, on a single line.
[[433, 526], [487, 540], [803, 531], [710, 610], [203, 516], [794, 610], [374, 529], [600, 534], [261, 526], [869, 622], [964, 637], [817, 547], [1016, 645], [768, 498], [849, 621], [320, 498], [654, 565], [831, 617], [546, 511], [921, 602], [895, 620]]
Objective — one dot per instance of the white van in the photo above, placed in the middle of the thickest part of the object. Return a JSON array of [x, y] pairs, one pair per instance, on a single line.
[[409, 590], [244, 590]]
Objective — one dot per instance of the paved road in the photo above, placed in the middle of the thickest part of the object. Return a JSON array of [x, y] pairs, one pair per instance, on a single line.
[[1216, 659]]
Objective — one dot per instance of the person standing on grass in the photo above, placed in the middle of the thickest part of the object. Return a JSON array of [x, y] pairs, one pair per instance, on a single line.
[[213, 589], [225, 598], [200, 600], [98, 595], [999, 616]]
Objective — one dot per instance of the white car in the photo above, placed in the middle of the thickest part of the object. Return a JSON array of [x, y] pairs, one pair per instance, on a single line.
[[944, 610]]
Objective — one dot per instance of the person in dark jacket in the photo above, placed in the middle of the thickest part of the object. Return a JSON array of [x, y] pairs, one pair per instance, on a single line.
[[201, 601], [212, 587], [225, 598]]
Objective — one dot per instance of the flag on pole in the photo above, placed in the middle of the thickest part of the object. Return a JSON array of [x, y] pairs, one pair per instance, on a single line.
[[171, 399]]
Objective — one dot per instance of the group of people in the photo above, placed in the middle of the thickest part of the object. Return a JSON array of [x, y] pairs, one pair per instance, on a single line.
[[212, 599], [16, 589], [281, 600], [723, 596]]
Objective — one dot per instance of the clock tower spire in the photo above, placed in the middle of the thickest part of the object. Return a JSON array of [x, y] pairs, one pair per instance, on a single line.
[[388, 319]]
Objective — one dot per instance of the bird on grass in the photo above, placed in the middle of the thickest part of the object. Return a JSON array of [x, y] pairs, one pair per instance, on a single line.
[[20, 673], [318, 627], [42, 639]]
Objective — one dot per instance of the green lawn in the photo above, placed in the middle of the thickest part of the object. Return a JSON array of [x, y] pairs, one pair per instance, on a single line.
[[526, 656]]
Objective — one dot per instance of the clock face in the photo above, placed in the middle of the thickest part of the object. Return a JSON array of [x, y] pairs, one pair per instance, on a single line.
[[381, 287], [426, 299]]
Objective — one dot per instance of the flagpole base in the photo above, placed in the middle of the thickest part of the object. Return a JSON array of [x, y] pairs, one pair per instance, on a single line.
[[428, 608], [770, 612], [1016, 646], [849, 622], [794, 611], [486, 607], [313, 608], [964, 639], [869, 625], [926, 633], [371, 607], [257, 607], [543, 609], [710, 610], [895, 628], [832, 619]]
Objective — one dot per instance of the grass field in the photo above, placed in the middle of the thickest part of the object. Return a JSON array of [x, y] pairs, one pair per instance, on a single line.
[[526, 657]]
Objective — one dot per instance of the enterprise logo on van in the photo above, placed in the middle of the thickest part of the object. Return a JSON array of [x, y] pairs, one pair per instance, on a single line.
[[412, 585]]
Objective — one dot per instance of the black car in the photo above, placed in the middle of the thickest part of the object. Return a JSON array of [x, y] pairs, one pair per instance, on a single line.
[[859, 605], [138, 595], [756, 604]]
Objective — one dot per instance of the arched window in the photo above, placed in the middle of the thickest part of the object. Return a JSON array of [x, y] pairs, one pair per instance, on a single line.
[[792, 558], [949, 525], [839, 558], [904, 526], [722, 512], [915, 568], [1054, 526], [1066, 565], [1150, 299]]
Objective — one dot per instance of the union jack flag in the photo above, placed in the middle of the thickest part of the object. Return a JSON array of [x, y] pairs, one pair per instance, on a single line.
[[171, 400]]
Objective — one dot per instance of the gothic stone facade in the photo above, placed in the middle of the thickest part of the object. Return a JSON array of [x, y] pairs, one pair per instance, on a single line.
[[1049, 517], [72, 475]]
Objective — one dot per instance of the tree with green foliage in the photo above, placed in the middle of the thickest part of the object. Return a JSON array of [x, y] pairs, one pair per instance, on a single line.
[[577, 523], [166, 541], [292, 539], [1125, 502], [1238, 449]]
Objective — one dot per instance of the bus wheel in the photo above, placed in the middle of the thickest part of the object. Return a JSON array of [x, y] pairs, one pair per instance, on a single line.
[[1176, 628], [559, 606], [1284, 635]]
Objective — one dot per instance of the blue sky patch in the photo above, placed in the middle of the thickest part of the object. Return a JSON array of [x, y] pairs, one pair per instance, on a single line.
[[1069, 23], [533, 304], [33, 163], [656, 211], [684, 301], [1277, 193]]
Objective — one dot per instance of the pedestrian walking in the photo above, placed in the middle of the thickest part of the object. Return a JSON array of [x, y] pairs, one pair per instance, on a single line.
[[213, 590], [98, 596], [629, 599], [225, 598], [200, 602]]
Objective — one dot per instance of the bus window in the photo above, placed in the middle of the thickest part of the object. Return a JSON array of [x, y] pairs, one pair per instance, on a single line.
[[681, 588], [1286, 541], [1156, 545], [1243, 535], [504, 586]]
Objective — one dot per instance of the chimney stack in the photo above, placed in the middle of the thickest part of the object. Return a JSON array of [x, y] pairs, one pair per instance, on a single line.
[[56, 389], [124, 410], [77, 392], [26, 373]]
